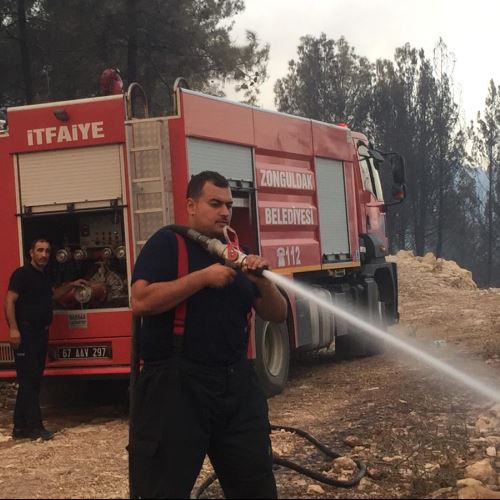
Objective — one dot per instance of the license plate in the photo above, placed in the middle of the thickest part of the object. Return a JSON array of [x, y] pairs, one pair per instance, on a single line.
[[84, 352]]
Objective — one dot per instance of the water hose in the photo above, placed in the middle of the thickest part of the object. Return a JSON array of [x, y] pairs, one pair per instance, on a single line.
[[317, 476], [229, 251]]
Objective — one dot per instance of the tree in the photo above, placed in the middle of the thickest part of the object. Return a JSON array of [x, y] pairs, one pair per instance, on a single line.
[[25, 53], [487, 149], [401, 113], [328, 82], [449, 150], [414, 112], [16, 84], [70, 42]]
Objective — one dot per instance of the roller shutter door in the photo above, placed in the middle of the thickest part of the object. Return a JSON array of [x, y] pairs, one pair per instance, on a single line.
[[233, 162], [86, 177], [332, 207]]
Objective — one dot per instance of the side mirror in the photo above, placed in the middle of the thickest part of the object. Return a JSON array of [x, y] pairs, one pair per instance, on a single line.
[[398, 169], [398, 190]]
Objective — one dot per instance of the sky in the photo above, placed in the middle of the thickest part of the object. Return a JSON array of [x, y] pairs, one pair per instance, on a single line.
[[375, 28]]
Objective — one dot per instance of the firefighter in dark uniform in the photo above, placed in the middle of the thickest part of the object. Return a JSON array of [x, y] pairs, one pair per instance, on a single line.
[[200, 396], [28, 310]]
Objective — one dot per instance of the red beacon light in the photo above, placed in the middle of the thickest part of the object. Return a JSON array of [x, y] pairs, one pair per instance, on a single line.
[[343, 125], [111, 82]]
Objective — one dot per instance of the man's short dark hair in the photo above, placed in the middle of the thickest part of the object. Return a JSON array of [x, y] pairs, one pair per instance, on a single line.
[[37, 240], [198, 181]]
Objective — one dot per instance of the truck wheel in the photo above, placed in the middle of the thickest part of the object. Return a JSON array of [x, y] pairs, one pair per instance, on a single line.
[[375, 345], [272, 360], [358, 343]]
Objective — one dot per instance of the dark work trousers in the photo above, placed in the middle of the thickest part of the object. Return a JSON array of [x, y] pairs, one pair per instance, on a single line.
[[30, 363], [185, 411]]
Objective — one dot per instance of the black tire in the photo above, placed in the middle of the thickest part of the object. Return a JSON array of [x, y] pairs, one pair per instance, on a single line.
[[358, 343], [375, 345], [272, 356]]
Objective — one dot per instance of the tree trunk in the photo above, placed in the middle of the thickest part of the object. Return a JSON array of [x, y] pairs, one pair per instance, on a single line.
[[25, 54], [489, 258], [440, 222]]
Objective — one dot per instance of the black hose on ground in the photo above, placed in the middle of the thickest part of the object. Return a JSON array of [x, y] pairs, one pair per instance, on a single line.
[[317, 476]]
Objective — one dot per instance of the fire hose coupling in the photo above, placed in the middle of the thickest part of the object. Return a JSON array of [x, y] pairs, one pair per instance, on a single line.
[[229, 251]]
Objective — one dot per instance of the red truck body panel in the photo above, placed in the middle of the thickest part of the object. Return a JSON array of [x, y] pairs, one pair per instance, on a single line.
[[284, 149]]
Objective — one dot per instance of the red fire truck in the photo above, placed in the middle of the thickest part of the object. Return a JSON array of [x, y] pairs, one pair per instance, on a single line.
[[97, 178]]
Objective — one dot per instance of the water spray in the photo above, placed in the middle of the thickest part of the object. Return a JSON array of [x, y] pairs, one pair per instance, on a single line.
[[367, 328], [233, 257]]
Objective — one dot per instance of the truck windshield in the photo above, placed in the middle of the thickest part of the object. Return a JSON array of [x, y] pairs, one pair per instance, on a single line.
[[369, 174]]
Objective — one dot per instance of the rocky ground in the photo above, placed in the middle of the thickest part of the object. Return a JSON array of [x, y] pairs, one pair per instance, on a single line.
[[421, 434]]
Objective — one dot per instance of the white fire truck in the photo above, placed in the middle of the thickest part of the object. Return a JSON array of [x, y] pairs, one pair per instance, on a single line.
[[97, 181]]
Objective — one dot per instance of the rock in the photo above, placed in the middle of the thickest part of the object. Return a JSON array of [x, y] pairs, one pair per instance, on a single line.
[[300, 482], [429, 258], [486, 424], [406, 472], [472, 488], [431, 467], [366, 484], [315, 488], [405, 254], [376, 474], [482, 471], [440, 493], [479, 440], [353, 441], [344, 463], [468, 481], [491, 451], [495, 410]]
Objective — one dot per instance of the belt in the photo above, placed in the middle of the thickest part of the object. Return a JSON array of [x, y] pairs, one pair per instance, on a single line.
[[33, 325], [231, 367]]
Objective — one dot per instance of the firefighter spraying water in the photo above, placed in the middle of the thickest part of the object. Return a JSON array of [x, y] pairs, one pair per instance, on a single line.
[[197, 393]]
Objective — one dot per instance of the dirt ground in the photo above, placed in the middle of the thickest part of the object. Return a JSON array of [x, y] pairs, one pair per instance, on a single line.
[[418, 432]]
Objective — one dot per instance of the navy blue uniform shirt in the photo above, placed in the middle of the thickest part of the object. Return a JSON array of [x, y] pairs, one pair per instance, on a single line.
[[34, 287], [216, 319]]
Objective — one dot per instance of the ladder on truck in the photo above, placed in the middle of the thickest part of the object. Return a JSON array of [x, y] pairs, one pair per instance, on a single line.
[[150, 178]]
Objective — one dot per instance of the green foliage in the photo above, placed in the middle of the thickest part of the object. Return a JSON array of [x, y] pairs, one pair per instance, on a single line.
[[485, 134], [152, 41], [415, 112], [328, 82]]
